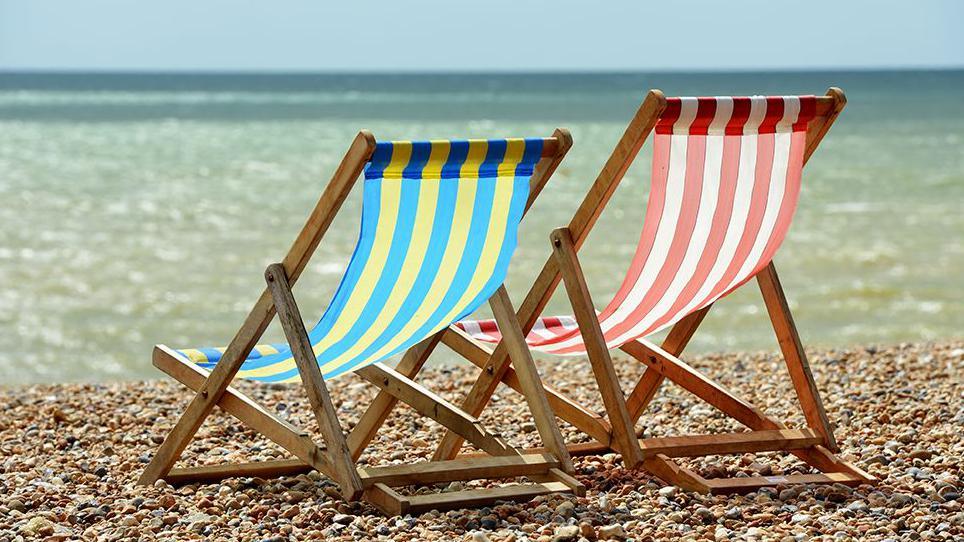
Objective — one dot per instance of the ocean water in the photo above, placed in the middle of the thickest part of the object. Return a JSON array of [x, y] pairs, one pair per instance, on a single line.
[[142, 209]]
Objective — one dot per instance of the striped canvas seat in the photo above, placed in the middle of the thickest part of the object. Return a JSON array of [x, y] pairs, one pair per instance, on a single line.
[[725, 180], [439, 225]]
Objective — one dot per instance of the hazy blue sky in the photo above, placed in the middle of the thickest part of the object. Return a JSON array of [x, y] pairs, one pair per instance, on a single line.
[[407, 35]]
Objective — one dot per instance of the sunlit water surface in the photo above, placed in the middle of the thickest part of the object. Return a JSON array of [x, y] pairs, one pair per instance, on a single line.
[[143, 209]]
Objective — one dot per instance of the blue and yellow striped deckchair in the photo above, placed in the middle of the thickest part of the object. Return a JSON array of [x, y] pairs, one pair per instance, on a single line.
[[439, 226]]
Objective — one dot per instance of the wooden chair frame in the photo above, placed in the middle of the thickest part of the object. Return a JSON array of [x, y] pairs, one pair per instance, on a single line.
[[815, 444], [549, 470]]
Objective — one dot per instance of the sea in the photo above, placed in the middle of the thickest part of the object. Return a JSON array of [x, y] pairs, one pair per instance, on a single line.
[[142, 208]]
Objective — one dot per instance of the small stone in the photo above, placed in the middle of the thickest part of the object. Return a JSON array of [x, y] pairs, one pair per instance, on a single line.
[[291, 512], [16, 504], [800, 518], [528, 427], [879, 459], [605, 504], [167, 501], [760, 469], [479, 536], [419, 443], [858, 506], [705, 515], [454, 486], [38, 526], [612, 532], [343, 519], [489, 522], [900, 500], [293, 497], [789, 494], [586, 530], [566, 533], [877, 499], [565, 509], [668, 491], [721, 533], [733, 513], [921, 454]]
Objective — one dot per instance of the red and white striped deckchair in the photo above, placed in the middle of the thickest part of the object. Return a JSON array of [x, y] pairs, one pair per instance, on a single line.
[[725, 182]]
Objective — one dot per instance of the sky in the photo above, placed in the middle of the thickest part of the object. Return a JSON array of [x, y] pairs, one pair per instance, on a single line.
[[486, 35]]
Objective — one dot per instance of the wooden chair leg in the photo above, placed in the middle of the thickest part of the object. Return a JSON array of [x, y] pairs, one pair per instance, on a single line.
[[624, 433], [377, 412], [794, 355], [529, 379], [314, 382]]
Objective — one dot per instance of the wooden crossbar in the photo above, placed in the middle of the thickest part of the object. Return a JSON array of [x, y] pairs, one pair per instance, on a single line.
[[728, 443], [431, 405], [723, 486], [480, 497], [215, 473], [475, 468]]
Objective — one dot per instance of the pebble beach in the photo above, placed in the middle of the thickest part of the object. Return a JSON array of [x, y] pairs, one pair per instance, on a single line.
[[70, 455]]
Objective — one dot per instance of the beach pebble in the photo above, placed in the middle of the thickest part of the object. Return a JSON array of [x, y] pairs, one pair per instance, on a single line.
[[16, 504], [343, 519], [88, 490], [668, 491], [612, 532], [566, 533], [565, 509]]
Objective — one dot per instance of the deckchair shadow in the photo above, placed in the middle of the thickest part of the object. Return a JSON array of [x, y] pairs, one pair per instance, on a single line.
[[439, 226], [725, 181]]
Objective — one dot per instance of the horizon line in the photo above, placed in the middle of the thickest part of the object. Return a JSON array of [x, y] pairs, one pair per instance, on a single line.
[[270, 72]]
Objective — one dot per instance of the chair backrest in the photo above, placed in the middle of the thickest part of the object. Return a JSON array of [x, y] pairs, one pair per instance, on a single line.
[[439, 226], [725, 181]]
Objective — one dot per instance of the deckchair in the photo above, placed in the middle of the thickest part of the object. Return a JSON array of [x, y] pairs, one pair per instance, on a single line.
[[438, 228], [725, 182]]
